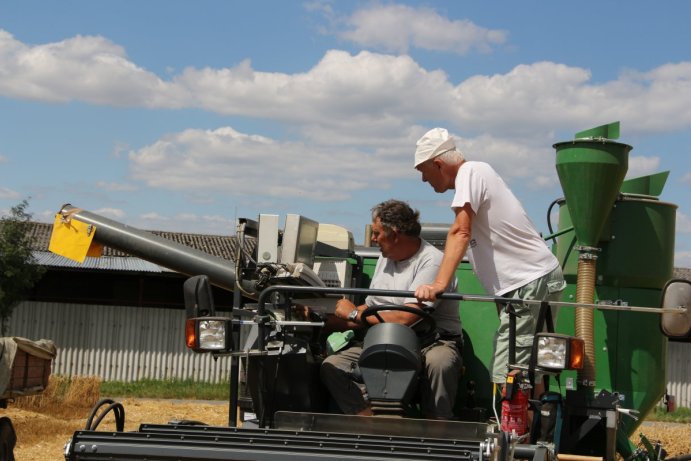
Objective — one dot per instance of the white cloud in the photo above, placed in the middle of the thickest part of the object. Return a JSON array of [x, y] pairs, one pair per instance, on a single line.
[[225, 162], [113, 213], [364, 96], [531, 96], [399, 28], [229, 162], [115, 187], [84, 68], [217, 219], [9, 194], [44, 216], [3, 159], [683, 224], [186, 217], [157, 221], [153, 216], [186, 222], [355, 115], [642, 166], [119, 149], [320, 6], [686, 179], [682, 259], [342, 93], [530, 160]]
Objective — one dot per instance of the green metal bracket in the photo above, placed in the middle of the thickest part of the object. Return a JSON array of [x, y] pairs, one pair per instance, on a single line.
[[609, 131], [651, 185]]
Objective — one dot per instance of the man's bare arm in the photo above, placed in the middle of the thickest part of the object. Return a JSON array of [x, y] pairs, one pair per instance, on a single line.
[[457, 241]]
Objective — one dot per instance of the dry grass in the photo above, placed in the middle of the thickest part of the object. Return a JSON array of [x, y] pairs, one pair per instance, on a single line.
[[58, 411], [63, 397], [45, 422]]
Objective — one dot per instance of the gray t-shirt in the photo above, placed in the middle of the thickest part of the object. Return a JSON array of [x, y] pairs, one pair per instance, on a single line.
[[407, 275]]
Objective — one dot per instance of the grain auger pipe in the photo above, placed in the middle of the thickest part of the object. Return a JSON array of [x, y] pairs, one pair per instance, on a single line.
[[159, 250]]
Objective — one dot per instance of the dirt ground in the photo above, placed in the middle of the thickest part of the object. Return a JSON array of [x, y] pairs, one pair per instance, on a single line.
[[44, 425], [42, 437]]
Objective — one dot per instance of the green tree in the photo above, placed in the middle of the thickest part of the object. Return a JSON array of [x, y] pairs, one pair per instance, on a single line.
[[18, 271]]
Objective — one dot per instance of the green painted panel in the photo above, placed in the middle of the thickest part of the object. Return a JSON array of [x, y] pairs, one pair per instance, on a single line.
[[640, 355], [637, 244], [630, 349], [640, 249], [480, 321]]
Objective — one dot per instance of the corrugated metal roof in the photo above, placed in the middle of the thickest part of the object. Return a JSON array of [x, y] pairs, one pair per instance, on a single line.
[[682, 273], [113, 263], [222, 246]]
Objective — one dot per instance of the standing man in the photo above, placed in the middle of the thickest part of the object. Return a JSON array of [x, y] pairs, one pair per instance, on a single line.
[[506, 251], [406, 261]]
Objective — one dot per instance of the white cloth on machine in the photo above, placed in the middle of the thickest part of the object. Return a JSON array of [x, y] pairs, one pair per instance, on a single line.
[[43, 348]]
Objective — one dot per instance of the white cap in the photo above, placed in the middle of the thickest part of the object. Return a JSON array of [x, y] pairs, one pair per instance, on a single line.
[[432, 144]]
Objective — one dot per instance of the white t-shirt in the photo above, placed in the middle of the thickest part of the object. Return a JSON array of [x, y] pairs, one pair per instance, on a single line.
[[407, 275], [505, 249]]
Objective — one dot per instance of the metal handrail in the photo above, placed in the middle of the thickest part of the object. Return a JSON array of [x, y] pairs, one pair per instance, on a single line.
[[263, 296]]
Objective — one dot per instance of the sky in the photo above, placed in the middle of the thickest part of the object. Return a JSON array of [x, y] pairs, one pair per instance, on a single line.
[[186, 115]]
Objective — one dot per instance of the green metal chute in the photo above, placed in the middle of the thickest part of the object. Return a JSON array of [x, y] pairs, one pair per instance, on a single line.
[[608, 131], [651, 185], [591, 170]]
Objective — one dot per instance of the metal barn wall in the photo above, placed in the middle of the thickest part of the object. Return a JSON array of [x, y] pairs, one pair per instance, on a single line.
[[679, 372], [127, 344], [116, 343]]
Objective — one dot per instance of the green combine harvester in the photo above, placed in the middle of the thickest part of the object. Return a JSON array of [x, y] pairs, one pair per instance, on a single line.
[[605, 357]]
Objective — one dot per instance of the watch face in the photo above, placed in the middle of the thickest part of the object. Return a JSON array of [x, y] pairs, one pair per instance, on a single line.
[[352, 315]]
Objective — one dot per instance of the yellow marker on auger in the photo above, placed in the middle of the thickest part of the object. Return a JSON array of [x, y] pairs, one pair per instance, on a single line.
[[73, 239]]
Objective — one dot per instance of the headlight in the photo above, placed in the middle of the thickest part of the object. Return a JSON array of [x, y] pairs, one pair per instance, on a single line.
[[204, 334], [559, 352], [212, 334]]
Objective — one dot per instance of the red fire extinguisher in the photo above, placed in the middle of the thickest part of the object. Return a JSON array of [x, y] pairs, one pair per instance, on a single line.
[[514, 404]]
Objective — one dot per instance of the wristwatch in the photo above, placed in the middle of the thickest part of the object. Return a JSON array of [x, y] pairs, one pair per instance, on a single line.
[[353, 315]]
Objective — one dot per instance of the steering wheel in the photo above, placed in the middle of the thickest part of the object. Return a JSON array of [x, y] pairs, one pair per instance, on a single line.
[[424, 327]]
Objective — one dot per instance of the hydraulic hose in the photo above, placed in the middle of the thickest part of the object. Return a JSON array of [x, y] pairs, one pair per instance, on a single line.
[[585, 293], [110, 405], [549, 213]]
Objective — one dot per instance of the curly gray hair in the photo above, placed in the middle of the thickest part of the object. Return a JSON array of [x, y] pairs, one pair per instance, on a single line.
[[399, 216]]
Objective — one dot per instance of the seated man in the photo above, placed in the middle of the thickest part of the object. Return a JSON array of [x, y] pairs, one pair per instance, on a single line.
[[406, 262]]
